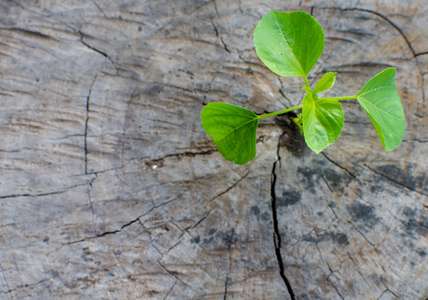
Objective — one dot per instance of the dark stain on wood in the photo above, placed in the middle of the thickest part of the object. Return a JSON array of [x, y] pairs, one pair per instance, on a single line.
[[307, 177], [289, 198], [363, 213]]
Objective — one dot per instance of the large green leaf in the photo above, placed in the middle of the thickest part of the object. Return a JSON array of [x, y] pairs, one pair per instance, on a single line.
[[289, 44], [322, 121], [326, 82], [233, 129], [381, 101]]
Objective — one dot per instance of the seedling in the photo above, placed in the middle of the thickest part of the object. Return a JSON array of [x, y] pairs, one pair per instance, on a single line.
[[290, 44]]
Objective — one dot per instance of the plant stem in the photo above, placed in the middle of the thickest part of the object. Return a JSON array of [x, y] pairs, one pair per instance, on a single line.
[[339, 98], [300, 106], [279, 112], [306, 81]]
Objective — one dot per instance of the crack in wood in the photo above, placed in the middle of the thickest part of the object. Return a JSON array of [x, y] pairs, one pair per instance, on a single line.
[[416, 140], [285, 97], [174, 274], [103, 171], [249, 62], [276, 233], [400, 31], [85, 135], [157, 250], [409, 44], [105, 233], [225, 288], [421, 53], [160, 205], [81, 34], [196, 224], [335, 288], [230, 188], [322, 258], [89, 46], [173, 246], [215, 28], [41, 194], [179, 155], [336, 164], [99, 8], [90, 202], [387, 20], [362, 234], [225, 46], [387, 288], [170, 290], [394, 181]]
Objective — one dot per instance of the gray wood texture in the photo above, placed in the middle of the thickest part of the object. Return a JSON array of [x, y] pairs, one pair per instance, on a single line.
[[110, 189]]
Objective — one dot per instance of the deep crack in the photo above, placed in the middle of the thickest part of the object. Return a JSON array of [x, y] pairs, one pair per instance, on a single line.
[[90, 202], [225, 46], [276, 234], [81, 34], [179, 155], [85, 137], [89, 46], [421, 53], [225, 289]]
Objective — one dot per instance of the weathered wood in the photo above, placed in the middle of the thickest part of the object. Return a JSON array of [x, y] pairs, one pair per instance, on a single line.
[[110, 189]]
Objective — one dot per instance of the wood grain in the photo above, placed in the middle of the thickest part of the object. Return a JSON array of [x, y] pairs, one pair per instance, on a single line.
[[110, 189]]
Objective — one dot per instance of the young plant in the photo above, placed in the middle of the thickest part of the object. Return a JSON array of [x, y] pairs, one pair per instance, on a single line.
[[290, 44]]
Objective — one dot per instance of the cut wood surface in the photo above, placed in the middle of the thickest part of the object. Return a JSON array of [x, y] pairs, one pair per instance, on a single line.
[[111, 189]]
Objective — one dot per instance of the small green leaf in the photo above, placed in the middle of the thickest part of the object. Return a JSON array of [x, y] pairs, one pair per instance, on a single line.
[[326, 82], [299, 122], [307, 89], [289, 44], [322, 122], [233, 129], [381, 101]]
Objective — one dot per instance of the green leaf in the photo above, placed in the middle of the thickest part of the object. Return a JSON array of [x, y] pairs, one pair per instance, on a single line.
[[307, 89], [289, 44], [381, 101], [326, 82], [299, 122], [322, 121], [233, 129]]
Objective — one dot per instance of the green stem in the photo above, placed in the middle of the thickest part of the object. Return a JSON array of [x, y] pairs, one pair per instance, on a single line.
[[339, 98], [306, 81], [279, 112], [300, 106]]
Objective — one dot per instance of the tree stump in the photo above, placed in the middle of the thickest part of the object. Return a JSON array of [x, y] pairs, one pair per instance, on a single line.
[[110, 188]]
